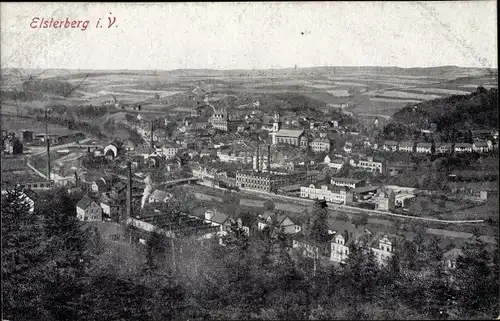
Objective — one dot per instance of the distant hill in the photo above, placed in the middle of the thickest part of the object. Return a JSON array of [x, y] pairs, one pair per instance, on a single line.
[[451, 72], [478, 110]]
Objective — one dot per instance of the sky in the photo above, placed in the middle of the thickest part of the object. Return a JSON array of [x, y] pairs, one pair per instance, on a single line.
[[166, 36]]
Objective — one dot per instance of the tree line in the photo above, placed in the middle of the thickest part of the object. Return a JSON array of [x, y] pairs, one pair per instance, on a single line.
[[56, 268]]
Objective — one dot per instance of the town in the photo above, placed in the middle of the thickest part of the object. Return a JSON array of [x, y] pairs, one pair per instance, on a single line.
[[287, 160], [135, 188]]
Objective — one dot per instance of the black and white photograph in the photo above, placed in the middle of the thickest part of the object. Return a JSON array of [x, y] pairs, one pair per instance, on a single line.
[[325, 160]]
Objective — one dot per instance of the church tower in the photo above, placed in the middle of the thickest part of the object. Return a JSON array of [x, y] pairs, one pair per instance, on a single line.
[[276, 127], [276, 123]]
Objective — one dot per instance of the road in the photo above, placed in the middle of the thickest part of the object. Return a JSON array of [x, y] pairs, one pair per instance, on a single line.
[[352, 209], [57, 147]]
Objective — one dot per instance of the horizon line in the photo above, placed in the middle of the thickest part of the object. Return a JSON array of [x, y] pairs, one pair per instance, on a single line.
[[260, 69]]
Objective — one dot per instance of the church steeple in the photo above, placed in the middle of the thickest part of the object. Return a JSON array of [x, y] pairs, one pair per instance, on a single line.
[[276, 122]]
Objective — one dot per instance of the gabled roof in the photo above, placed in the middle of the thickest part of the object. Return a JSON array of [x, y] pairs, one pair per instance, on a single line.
[[247, 220], [365, 189], [462, 145], [444, 145], [84, 202], [321, 140], [346, 180], [425, 145], [481, 144], [218, 217], [380, 235], [290, 132], [453, 253], [406, 144], [159, 195]]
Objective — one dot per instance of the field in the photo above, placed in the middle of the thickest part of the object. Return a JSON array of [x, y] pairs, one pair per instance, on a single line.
[[367, 90], [17, 124]]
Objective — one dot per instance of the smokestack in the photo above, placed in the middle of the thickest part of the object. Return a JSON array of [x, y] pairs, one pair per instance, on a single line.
[[152, 130], [269, 158], [48, 143], [77, 183], [129, 190]]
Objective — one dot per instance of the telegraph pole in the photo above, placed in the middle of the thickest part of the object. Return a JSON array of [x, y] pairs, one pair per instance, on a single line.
[[48, 143]]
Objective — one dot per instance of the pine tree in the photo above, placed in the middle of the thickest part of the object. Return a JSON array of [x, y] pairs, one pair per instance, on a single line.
[[23, 258], [477, 280], [68, 254]]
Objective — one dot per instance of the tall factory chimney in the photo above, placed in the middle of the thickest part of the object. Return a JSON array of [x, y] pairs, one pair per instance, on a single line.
[[269, 158], [48, 143], [129, 190], [152, 136]]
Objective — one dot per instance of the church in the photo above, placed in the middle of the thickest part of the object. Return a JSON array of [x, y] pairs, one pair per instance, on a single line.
[[294, 137]]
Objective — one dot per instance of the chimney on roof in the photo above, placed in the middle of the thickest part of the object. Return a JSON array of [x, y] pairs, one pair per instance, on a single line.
[[129, 190]]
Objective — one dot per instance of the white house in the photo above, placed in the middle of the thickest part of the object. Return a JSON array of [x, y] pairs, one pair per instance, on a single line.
[[425, 148], [159, 196], [320, 144], [368, 164], [348, 148], [463, 148], [170, 151], [390, 145], [339, 249], [88, 210], [444, 148], [406, 147], [383, 248], [215, 218], [481, 147]]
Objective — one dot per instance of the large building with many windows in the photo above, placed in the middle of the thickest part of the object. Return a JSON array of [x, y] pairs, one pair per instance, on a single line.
[[320, 144], [327, 192], [368, 164], [269, 182], [220, 120]]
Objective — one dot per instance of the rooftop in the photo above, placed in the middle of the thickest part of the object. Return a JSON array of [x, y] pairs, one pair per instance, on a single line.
[[290, 132], [84, 202], [346, 180], [425, 145], [463, 145], [406, 144], [365, 189], [159, 195]]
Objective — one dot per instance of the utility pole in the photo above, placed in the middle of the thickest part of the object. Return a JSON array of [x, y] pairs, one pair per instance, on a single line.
[[48, 143]]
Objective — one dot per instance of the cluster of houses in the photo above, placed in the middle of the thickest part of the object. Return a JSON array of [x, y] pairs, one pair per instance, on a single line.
[[438, 148], [106, 199], [336, 248]]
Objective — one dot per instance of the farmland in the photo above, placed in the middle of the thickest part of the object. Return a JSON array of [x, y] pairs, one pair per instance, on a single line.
[[366, 90]]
